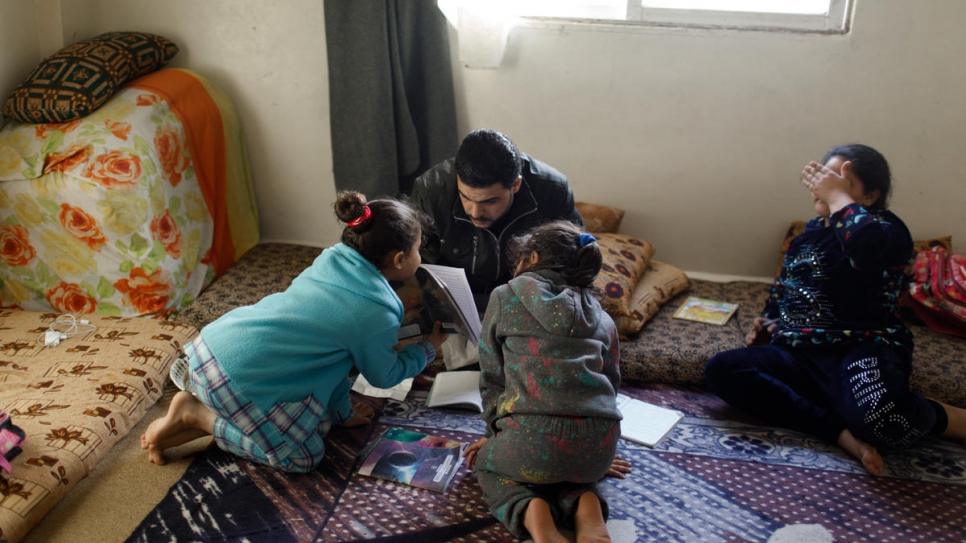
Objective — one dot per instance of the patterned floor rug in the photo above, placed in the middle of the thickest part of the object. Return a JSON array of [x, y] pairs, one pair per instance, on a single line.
[[715, 478]]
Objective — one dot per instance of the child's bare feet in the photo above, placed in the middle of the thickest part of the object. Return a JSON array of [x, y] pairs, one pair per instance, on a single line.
[[187, 419], [539, 522], [956, 428], [867, 454], [362, 415], [589, 520]]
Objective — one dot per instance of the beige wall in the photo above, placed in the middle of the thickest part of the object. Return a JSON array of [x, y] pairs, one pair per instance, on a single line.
[[19, 44], [270, 57], [700, 135]]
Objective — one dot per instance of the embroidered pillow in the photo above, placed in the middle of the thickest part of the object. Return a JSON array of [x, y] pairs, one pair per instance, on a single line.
[[79, 78], [660, 283], [625, 260], [600, 219]]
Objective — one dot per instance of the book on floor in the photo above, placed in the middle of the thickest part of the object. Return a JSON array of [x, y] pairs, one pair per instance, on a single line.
[[645, 423], [438, 293], [413, 458], [458, 389], [705, 310]]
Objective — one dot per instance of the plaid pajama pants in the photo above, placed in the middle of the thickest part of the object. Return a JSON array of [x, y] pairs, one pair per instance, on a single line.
[[288, 437]]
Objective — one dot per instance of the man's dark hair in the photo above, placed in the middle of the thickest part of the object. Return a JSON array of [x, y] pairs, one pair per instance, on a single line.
[[486, 157]]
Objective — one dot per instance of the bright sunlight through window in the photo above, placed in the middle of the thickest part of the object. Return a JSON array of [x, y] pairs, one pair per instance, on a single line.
[[825, 16], [813, 7]]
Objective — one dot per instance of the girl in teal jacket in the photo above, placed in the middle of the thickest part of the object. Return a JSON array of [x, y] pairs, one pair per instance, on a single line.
[[268, 380]]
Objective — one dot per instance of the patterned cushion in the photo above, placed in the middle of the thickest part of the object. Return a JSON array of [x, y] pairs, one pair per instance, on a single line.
[[75, 400], [79, 78], [600, 219], [660, 283], [625, 261]]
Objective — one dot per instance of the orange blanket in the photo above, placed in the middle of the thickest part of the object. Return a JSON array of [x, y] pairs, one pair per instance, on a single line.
[[202, 109]]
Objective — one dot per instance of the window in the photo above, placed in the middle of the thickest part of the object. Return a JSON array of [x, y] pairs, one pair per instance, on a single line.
[[824, 16], [809, 15]]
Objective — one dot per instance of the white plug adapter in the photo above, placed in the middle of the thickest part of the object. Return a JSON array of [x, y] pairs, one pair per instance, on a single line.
[[52, 338]]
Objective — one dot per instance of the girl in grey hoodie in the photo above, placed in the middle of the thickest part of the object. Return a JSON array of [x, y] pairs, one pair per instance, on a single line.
[[549, 378]]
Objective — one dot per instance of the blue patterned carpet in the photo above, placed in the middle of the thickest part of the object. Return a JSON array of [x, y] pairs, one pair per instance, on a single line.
[[715, 477]]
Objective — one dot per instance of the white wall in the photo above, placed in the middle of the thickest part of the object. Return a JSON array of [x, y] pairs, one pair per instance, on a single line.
[[19, 45], [700, 135], [270, 57]]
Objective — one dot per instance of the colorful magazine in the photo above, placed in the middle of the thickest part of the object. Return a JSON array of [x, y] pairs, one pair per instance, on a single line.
[[413, 458], [705, 310]]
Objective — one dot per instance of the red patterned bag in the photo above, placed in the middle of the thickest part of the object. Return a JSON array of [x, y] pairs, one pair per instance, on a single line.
[[937, 292], [11, 437]]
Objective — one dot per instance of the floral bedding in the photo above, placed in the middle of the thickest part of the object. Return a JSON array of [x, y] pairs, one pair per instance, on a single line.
[[110, 214]]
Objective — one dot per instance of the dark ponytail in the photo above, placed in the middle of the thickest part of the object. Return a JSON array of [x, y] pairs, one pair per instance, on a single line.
[[378, 228], [563, 247]]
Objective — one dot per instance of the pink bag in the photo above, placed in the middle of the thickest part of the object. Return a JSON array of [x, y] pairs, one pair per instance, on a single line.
[[937, 292], [11, 437]]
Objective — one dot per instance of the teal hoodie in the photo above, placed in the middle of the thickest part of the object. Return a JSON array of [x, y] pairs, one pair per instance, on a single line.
[[337, 313]]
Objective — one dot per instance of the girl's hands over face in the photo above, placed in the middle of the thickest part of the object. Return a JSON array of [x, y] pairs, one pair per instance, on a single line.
[[834, 186]]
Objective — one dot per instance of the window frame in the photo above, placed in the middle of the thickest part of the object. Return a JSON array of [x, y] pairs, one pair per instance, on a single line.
[[838, 20]]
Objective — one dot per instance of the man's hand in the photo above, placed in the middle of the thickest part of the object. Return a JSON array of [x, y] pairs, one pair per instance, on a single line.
[[437, 337]]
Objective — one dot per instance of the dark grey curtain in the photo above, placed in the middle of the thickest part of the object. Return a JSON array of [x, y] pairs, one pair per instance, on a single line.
[[391, 103]]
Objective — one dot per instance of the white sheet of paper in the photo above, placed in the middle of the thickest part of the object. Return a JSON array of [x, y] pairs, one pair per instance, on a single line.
[[398, 392], [645, 423]]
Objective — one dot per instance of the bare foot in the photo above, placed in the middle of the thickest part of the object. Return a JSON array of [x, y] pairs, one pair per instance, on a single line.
[[867, 454], [363, 414], [539, 522], [187, 419], [589, 520], [956, 428]]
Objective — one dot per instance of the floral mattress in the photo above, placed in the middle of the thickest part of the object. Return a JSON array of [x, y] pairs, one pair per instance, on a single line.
[[131, 210]]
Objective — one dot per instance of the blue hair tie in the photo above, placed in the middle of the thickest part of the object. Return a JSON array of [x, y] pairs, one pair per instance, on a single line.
[[585, 239]]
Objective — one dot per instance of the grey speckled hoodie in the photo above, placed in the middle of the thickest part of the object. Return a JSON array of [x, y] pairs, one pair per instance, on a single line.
[[547, 349]]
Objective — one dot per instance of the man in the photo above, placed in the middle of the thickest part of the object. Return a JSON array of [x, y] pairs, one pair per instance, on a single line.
[[483, 197]]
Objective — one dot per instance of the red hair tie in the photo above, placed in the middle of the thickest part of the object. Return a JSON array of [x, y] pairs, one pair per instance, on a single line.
[[361, 218]]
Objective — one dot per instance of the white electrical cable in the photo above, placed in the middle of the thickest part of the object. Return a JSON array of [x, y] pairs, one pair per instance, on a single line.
[[64, 327]]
